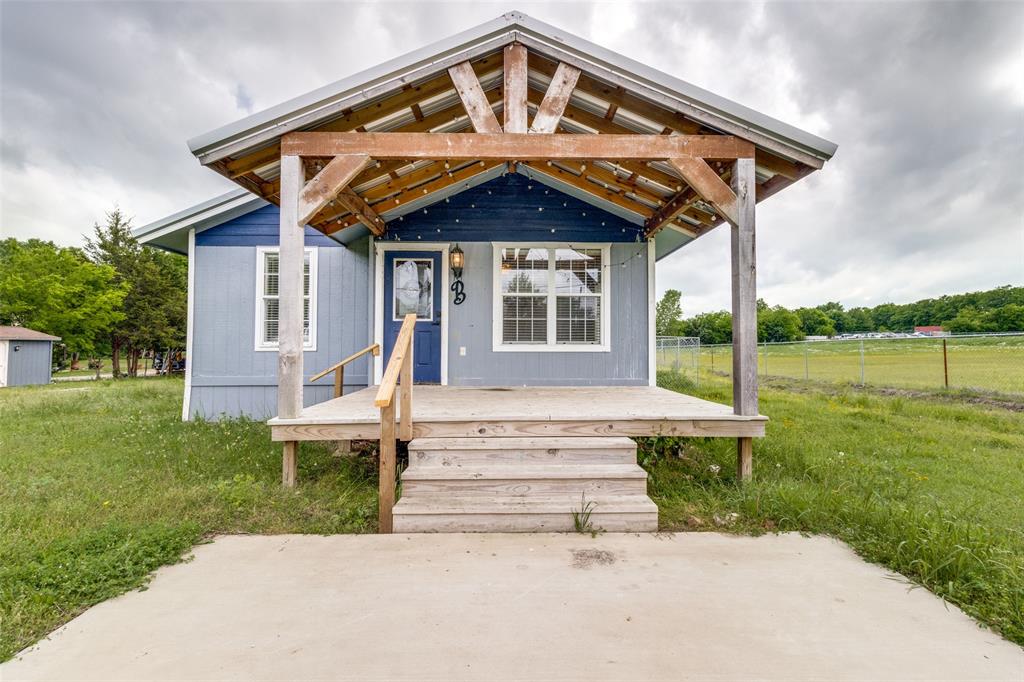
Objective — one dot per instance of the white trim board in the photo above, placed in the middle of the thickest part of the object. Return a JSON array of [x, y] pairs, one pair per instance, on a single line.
[[551, 346], [260, 345], [652, 307], [4, 356], [190, 313], [379, 248]]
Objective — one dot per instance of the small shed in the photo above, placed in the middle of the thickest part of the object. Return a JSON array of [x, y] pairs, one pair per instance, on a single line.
[[25, 356]]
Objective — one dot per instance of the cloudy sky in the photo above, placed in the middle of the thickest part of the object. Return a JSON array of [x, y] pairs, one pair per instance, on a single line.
[[926, 102]]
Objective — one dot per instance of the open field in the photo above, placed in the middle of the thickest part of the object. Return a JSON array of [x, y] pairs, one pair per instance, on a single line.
[[993, 363], [103, 483]]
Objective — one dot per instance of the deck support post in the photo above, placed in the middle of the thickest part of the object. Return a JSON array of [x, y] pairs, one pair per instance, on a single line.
[[290, 284], [386, 486], [289, 463], [744, 307]]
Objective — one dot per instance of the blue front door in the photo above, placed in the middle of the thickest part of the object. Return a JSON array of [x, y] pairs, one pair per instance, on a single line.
[[412, 284]]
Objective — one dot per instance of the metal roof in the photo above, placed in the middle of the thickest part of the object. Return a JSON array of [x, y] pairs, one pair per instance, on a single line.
[[171, 233], [330, 100]]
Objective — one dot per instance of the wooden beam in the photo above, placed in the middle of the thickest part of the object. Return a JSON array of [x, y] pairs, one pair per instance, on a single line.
[[669, 212], [582, 183], [744, 291], [382, 168], [473, 99], [289, 463], [290, 288], [386, 480], [614, 95], [744, 459], [515, 83], [553, 105], [445, 180], [362, 211], [778, 165], [708, 185], [363, 116], [515, 146], [326, 185]]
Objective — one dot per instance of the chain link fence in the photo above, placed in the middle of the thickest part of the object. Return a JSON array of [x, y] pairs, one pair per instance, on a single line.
[[991, 363], [679, 354]]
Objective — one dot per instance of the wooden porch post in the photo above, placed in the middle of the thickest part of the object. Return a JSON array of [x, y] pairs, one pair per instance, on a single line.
[[744, 308], [290, 314]]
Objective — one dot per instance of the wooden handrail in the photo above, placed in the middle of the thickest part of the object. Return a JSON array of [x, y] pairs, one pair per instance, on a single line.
[[398, 372], [403, 345], [339, 368]]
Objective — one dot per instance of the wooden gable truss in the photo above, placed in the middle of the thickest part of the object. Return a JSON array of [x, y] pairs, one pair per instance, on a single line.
[[520, 92]]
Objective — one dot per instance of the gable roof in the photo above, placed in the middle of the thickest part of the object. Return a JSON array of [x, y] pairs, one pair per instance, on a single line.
[[414, 93], [171, 233], [24, 334], [301, 112]]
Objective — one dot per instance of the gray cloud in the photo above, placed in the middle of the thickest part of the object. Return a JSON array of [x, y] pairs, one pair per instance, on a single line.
[[926, 101]]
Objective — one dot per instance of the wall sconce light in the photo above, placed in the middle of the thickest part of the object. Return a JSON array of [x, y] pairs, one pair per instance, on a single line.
[[457, 260]]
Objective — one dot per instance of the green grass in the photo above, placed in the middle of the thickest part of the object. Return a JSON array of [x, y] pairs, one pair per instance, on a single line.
[[929, 488], [993, 364], [100, 483]]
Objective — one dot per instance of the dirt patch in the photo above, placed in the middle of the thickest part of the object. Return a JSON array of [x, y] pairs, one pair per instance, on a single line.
[[586, 558]]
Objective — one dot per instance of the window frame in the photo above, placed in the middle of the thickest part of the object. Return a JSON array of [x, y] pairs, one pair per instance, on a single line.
[[261, 258], [552, 346]]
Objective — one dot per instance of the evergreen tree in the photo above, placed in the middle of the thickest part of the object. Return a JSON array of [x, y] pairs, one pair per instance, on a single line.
[[154, 307]]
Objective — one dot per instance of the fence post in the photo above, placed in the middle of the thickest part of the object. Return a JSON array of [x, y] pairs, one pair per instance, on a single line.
[[862, 362], [807, 371], [945, 363], [765, 347], [696, 362]]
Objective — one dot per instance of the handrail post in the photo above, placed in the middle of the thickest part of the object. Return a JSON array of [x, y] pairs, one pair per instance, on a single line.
[[386, 486], [405, 408], [339, 381]]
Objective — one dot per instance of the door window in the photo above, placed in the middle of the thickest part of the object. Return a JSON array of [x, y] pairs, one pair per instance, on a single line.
[[413, 288]]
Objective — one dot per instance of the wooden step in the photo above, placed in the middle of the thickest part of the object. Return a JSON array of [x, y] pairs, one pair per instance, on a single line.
[[512, 479], [523, 485], [537, 513], [472, 451]]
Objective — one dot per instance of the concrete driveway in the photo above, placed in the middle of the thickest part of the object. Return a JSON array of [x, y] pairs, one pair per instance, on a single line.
[[537, 607]]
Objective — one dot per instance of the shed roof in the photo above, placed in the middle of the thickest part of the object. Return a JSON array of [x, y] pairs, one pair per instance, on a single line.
[[24, 334]]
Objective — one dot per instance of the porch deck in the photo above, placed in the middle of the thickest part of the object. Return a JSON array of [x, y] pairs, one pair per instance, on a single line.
[[460, 411]]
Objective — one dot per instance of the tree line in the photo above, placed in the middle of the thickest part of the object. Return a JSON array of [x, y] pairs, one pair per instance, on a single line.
[[112, 298], [996, 310]]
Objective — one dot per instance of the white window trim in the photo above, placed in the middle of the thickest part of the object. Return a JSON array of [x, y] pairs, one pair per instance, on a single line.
[[551, 346], [261, 252]]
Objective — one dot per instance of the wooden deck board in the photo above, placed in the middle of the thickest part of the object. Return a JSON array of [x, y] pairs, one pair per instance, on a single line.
[[533, 410]]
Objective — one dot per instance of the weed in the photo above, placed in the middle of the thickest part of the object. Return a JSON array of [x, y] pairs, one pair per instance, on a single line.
[[581, 517]]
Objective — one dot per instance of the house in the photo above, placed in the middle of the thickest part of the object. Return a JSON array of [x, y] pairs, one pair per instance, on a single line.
[[26, 356], [930, 330], [481, 218]]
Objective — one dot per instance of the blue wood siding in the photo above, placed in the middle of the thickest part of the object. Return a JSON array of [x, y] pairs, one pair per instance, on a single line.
[[262, 227], [30, 364], [471, 328], [512, 208], [231, 378]]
